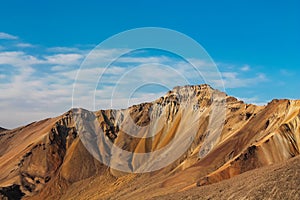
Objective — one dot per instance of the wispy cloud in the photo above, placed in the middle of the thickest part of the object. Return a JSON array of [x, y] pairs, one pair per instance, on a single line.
[[151, 59], [18, 59], [285, 72], [64, 59], [7, 36], [60, 68], [245, 68], [253, 100], [63, 49], [24, 45], [234, 80], [29, 92], [40, 85]]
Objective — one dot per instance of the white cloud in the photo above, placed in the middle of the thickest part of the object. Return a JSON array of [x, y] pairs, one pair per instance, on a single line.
[[31, 94], [253, 100], [63, 49], [29, 97], [232, 80], [152, 59], [57, 68], [18, 59], [7, 36], [42, 86], [100, 57], [64, 59], [24, 45], [245, 68], [21, 58], [230, 75]]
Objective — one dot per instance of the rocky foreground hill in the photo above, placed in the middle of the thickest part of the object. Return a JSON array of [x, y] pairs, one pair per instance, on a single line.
[[237, 151]]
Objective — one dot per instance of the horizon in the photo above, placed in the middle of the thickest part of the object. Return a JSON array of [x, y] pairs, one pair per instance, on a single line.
[[254, 44], [148, 102]]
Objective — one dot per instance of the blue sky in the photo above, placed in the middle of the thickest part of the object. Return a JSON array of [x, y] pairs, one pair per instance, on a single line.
[[255, 45]]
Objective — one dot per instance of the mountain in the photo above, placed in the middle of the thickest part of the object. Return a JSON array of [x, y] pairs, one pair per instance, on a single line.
[[191, 139], [2, 129]]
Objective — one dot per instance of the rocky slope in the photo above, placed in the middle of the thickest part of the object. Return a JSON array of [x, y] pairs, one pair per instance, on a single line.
[[278, 181], [224, 138]]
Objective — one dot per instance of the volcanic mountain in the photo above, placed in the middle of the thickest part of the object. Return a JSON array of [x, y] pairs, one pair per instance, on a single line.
[[207, 144]]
